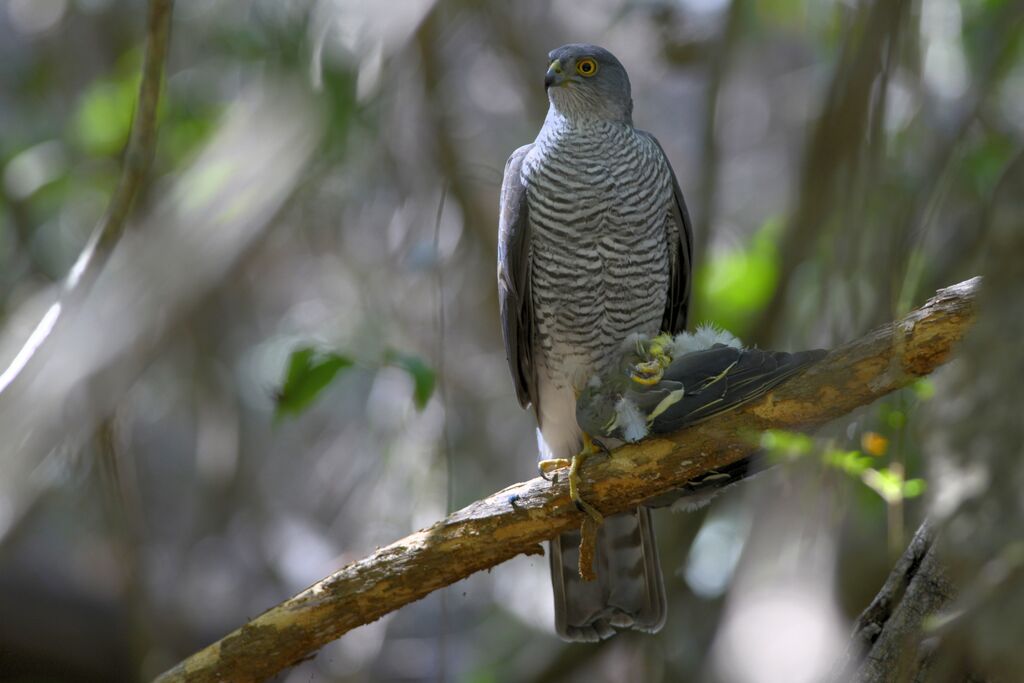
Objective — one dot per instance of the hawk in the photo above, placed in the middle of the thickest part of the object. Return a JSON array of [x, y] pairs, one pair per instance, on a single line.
[[594, 246]]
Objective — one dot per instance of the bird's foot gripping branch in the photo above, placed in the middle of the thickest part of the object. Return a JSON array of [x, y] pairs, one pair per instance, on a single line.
[[490, 531]]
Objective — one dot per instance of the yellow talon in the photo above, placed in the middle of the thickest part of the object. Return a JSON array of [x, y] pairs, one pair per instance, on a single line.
[[647, 373], [574, 465], [589, 448], [655, 353], [546, 467]]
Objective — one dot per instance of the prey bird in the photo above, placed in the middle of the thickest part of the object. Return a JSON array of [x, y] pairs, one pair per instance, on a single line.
[[665, 384], [595, 245]]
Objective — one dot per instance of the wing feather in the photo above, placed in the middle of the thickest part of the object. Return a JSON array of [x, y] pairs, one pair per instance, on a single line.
[[514, 294], [681, 254]]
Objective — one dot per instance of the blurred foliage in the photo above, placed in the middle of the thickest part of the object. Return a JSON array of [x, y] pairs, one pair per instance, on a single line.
[[102, 119], [888, 482], [104, 115], [736, 283], [850, 157], [423, 378], [310, 371]]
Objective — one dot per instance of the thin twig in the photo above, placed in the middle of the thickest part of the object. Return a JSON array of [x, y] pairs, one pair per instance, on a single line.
[[138, 158], [517, 519], [138, 155], [445, 444]]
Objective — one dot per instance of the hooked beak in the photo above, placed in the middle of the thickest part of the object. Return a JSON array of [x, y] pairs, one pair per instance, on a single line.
[[554, 74]]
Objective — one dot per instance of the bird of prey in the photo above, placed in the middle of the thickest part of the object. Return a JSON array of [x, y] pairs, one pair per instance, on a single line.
[[594, 246]]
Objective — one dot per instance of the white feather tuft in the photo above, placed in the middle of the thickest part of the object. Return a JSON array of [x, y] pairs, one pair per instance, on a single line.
[[706, 336], [630, 420], [632, 340], [543, 450]]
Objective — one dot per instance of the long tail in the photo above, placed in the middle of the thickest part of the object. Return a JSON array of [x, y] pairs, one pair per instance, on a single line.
[[629, 591]]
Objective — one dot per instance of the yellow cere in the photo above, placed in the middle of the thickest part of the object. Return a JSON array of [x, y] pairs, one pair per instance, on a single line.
[[586, 67]]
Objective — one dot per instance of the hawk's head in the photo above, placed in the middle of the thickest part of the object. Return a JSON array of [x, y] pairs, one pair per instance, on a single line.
[[588, 82]]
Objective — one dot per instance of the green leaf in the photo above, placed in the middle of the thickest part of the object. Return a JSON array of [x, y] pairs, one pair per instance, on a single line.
[[924, 388], [850, 462], [913, 488], [734, 285], [424, 379], [186, 128], [104, 117], [309, 372], [889, 484], [779, 442], [895, 418]]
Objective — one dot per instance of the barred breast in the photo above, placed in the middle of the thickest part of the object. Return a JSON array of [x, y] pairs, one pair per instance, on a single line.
[[599, 198]]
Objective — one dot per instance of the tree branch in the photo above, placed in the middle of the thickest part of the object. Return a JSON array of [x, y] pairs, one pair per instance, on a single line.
[[517, 519], [138, 155], [888, 643], [138, 158]]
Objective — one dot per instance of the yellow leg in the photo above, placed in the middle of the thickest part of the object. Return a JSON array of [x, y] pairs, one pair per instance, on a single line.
[[594, 519], [574, 465], [574, 483]]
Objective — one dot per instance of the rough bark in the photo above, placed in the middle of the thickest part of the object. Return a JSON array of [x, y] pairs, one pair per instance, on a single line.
[[517, 519], [889, 641]]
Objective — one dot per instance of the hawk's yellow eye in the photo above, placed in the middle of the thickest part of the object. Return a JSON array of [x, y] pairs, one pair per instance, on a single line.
[[586, 67]]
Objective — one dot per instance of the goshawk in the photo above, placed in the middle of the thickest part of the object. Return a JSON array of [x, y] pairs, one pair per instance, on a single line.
[[595, 245]]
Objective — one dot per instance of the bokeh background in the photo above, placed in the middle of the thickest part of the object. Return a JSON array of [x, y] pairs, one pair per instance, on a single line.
[[841, 160]]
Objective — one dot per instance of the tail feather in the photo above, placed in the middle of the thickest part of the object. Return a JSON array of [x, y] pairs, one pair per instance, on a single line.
[[629, 591]]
